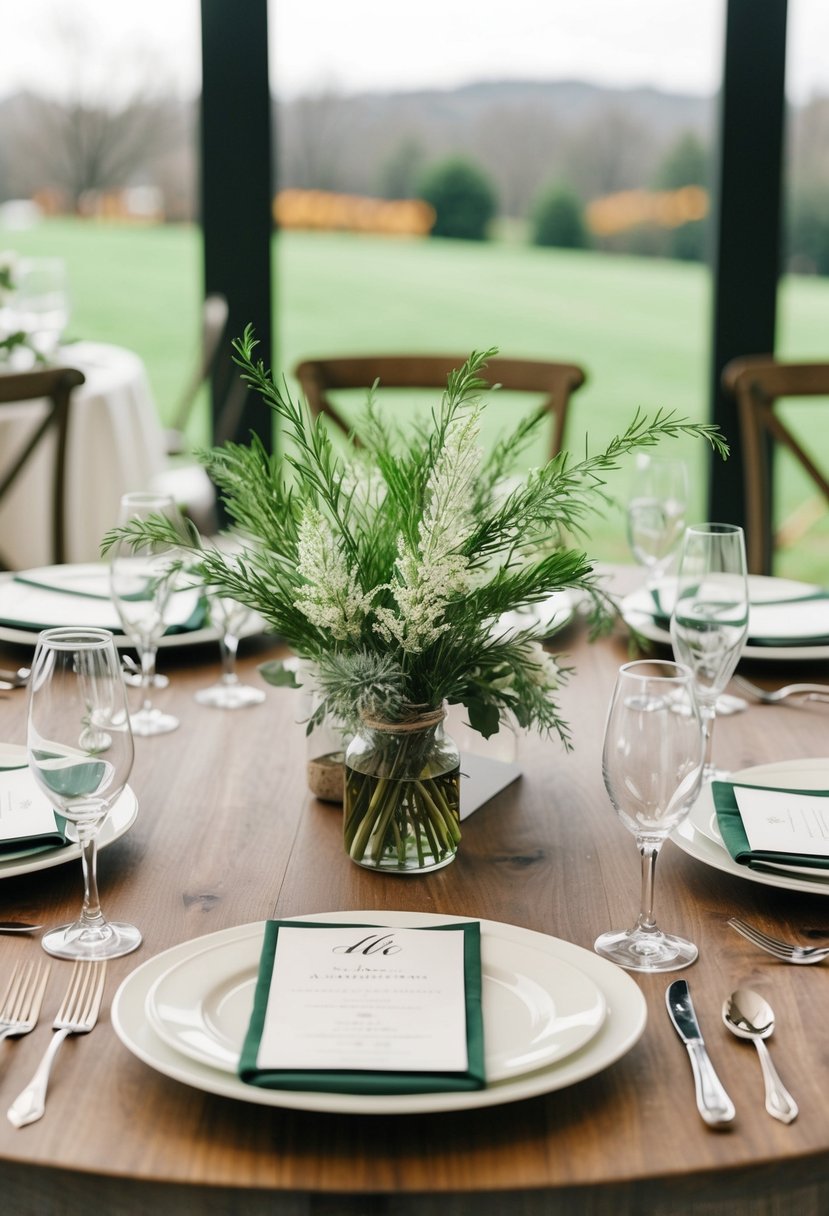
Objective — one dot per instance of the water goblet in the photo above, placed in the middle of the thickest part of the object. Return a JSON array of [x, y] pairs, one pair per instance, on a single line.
[[652, 768], [656, 512], [142, 578], [80, 752], [709, 622], [229, 617], [42, 303]]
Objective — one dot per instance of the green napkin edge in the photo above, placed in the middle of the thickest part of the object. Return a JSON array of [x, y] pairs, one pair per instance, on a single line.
[[733, 832], [39, 844], [197, 619], [663, 621], [347, 1080]]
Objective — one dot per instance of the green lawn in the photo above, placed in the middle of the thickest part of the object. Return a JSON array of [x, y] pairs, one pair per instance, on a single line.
[[638, 326]]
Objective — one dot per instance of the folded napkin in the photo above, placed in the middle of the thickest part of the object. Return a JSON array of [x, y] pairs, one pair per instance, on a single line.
[[33, 603], [800, 620], [370, 1081], [21, 804], [735, 839]]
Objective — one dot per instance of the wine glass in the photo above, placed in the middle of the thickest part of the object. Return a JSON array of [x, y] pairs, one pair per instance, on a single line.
[[229, 617], [656, 512], [709, 622], [42, 302], [80, 753], [652, 767], [142, 579]]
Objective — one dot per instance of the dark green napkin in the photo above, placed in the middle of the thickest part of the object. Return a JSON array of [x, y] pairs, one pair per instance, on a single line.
[[663, 620], [734, 836], [344, 1080], [24, 845], [197, 619]]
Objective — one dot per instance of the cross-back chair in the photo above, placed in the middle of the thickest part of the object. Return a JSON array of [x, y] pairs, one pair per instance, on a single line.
[[759, 384], [54, 386], [556, 382]]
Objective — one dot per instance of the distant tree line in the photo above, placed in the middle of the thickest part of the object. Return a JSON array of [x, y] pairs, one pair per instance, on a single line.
[[534, 155]]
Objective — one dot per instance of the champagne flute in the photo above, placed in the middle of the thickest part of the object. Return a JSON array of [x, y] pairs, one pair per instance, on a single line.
[[656, 512], [229, 617], [141, 584], [652, 767], [709, 623], [80, 752]]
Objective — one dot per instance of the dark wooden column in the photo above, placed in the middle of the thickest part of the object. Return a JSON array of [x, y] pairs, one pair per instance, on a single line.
[[236, 184], [746, 217]]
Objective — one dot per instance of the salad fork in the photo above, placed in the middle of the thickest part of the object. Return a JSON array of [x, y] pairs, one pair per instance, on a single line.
[[77, 1015], [786, 952], [22, 999], [814, 692]]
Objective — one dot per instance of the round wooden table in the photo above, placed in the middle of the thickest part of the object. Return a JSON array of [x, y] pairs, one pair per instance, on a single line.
[[227, 835]]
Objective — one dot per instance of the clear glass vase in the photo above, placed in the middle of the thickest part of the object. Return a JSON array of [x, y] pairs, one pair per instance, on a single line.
[[401, 811]]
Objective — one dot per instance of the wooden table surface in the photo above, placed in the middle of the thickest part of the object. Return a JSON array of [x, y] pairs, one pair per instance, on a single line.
[[227, 834]]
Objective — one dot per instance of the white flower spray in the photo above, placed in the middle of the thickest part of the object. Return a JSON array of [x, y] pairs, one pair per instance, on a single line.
[[331, 598]]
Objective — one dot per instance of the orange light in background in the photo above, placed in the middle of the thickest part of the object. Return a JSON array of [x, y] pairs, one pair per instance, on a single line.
[[666, 208], [322, 210]]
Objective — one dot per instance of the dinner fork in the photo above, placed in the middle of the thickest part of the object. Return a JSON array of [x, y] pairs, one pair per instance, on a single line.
[[787, 952], [22, 999], [814, 692], [77, 1015]]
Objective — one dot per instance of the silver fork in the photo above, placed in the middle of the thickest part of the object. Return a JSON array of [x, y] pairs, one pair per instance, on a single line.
[[814, 692], [22, 999], [787, 952], [77, 1015]]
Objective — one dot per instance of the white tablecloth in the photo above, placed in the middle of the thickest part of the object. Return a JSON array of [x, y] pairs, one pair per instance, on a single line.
[[115, 445]]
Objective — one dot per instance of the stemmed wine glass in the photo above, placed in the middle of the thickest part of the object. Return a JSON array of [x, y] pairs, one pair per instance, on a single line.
[[709, 623], [80, 753], [141, 583], [652, 768], [656, 512], [229, 617]]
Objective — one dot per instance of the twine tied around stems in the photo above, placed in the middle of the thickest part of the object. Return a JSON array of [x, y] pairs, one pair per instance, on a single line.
[[424, 721]]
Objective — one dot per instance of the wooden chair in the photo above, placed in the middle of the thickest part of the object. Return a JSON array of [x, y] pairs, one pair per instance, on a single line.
[[555, 381], [759, 383], [214, 325], [54, 386]]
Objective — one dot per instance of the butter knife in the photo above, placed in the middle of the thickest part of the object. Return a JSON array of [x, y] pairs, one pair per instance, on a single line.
[[713, 1103]]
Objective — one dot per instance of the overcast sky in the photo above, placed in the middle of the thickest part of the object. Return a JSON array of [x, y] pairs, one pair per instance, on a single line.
[[354, 45]]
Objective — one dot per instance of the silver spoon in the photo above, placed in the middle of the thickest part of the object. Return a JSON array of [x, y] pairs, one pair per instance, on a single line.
[[750, 1016], [18, 926], [15, 679]]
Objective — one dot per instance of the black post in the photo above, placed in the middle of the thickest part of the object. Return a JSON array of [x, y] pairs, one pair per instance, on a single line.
[[236, 186], [747, 217]]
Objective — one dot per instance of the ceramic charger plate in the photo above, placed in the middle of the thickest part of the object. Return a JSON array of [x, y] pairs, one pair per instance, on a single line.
[[520, 1000]]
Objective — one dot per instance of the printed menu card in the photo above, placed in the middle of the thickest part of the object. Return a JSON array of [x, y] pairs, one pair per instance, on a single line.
[[367, 1009], [760, 825], [26, 815]]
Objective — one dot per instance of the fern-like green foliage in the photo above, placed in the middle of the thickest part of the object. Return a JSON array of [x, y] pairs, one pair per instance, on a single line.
[[389, 566]]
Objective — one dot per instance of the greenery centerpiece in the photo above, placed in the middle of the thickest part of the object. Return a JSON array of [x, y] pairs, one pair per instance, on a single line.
[[388, 567]]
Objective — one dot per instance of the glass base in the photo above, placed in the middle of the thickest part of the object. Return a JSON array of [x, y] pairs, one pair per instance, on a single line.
[[389, 865], [152, 722], [134, 679], [638, 951], [110, 940], [230, 696]]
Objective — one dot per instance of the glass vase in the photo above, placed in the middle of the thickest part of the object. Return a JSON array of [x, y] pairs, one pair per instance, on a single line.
[[401, 811]]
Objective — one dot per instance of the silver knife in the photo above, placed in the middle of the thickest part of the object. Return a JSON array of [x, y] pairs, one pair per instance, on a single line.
[[713, 1103]]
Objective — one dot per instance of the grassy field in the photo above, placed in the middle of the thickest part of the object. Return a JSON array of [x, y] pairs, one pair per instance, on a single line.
[[638, 326]]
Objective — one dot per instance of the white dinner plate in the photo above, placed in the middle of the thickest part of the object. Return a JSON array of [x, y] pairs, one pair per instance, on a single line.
[[698, 835], [20, 603], [538, 1009], [27, 861], [545, 619], [637, 611], [626, 1014]]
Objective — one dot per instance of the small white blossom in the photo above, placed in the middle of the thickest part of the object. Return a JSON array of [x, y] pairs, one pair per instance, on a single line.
[[331, 598], [540, 666], [434, 572]]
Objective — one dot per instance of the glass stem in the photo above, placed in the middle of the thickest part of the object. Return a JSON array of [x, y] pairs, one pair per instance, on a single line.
[[91, 915], [148, 654], [708, 714], [228, 646], [648, 851]]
